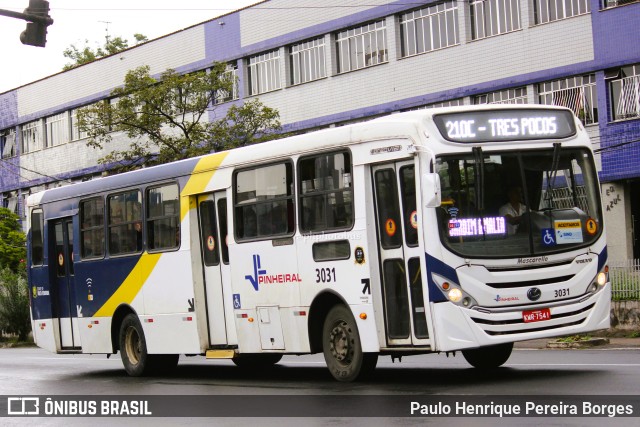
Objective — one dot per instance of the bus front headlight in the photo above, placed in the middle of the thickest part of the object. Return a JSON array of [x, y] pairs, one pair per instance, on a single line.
[[601, 278], [454, 292], [455, 295]]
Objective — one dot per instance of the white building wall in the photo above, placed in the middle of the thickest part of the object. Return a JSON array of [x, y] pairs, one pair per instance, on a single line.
[[172, 51], [279, 17], [617, 219], [526, 51]]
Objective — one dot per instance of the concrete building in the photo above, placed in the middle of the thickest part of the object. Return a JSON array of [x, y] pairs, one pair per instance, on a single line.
[[327, 65]]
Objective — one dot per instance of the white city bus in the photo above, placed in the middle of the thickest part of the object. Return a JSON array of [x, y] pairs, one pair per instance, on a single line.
[[466, 228]]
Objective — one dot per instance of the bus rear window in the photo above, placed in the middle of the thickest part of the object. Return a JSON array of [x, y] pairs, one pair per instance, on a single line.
[[37, 252]]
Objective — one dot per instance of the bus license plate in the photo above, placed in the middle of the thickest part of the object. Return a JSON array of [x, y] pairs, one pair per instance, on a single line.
[[536, 315]]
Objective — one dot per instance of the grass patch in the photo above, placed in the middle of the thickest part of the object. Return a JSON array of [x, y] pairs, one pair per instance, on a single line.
[[574, 338]]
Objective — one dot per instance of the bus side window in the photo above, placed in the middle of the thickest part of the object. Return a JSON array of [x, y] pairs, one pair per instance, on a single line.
[[326, 192], [92, 228], [125, 223], [262, 197], [163, 210]]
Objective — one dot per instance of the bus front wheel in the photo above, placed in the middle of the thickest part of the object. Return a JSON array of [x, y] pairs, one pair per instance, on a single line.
[[342, 347], [488, 357]]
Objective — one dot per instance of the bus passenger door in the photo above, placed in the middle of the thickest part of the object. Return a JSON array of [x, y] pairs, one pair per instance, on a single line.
[[65, 308], [401, 277], [212, 213]]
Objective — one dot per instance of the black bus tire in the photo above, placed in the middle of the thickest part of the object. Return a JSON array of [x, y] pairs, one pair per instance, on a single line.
[[342, 347], [133, 347], [489, 357]]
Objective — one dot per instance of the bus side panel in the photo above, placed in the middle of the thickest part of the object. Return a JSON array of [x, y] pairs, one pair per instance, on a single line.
[[295, 328], [171, 333], [40, 293], [45, 334], [95, 334], [263, 275]]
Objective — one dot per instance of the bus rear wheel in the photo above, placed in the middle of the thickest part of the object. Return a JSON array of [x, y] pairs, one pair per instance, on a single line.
[[488, 357], [342, 347], [133, 351]]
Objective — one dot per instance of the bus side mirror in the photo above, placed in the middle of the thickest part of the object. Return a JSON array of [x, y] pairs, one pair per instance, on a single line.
[[431, 192]]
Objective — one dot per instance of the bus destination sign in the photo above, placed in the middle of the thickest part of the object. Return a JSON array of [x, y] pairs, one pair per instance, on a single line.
[[505, 125]]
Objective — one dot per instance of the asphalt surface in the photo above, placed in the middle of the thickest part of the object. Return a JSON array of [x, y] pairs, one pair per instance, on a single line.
[[613, 343]]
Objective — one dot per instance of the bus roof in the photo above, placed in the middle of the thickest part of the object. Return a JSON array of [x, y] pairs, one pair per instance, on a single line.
[[398, 125]]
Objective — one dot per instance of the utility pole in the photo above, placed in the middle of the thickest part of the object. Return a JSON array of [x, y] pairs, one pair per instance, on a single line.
[[38, 19]]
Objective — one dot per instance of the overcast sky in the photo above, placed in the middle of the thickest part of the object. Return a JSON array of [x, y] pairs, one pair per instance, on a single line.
[[78, 20]]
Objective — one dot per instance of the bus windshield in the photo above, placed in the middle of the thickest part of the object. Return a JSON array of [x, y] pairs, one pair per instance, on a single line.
[[518, 203]]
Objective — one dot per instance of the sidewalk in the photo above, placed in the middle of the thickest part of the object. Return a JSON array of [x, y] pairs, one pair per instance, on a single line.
[[614, 343]]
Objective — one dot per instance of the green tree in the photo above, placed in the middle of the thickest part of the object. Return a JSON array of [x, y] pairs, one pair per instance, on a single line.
[[14, 303], [168, 118], [86, 54], [12, 241]]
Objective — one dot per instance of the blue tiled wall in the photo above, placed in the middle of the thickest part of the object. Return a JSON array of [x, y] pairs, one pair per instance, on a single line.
[[616, 38]]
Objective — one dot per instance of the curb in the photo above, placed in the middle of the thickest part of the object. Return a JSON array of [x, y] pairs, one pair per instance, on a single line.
[[592, 342]]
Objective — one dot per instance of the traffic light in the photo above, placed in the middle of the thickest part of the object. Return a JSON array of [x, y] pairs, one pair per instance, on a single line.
[[36, 32]]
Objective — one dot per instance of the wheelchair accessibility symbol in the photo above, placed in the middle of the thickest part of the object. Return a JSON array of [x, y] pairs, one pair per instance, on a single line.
[[548, 237], [236, 301]]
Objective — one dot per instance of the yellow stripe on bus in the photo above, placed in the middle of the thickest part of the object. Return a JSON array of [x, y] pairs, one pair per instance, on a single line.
[[131, 285], [200, 177]]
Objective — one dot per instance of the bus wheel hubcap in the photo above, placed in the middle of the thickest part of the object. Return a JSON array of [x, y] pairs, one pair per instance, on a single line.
[[133, 346], [340, 342]]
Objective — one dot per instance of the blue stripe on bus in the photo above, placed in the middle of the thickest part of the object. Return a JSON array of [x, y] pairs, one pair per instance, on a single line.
[[95, 282], [436, 266], [602, 259]]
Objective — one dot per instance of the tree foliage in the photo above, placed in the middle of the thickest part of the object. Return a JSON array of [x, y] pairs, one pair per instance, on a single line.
[[169, 118], [12, 241], [14, 304], [85, 54]]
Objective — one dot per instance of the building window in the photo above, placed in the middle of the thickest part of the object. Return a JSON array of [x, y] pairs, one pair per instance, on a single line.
[[264, 72], [493, 17], [163, 218], [32, 137], [624, 86], [10, 201], [7, 143], [263, 200], [507, 96], [326, 192], [553, 10], [125, 223], [92, 228], [615, 3], [75, 132], [362, 47], [57, 129], [222, 96], [577, 93], [428, 29], [307, 61]]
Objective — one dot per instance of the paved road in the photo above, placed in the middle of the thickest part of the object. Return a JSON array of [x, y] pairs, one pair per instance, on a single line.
[[530, 371]]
